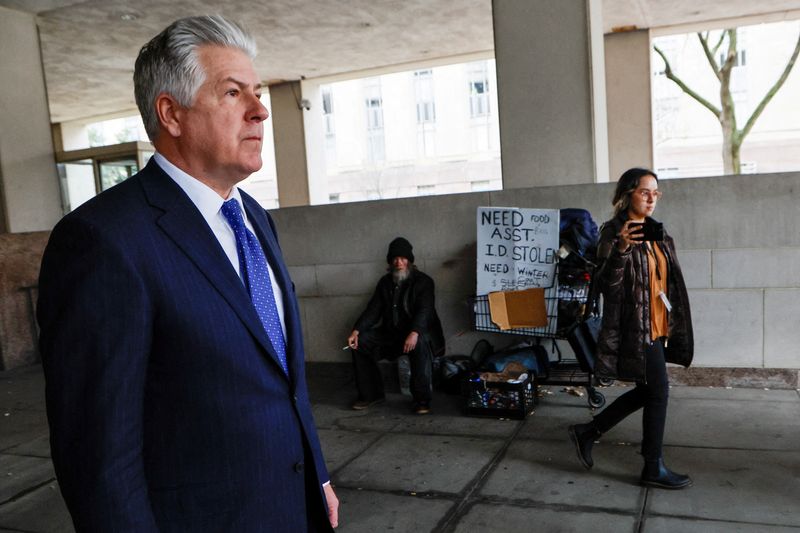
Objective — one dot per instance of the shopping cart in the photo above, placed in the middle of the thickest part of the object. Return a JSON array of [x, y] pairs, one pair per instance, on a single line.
[[564, 305]]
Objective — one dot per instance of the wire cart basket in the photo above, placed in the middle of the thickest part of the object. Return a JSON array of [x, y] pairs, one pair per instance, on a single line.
[[563, 371]]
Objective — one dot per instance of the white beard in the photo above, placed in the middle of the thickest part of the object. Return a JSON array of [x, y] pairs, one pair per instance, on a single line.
[[399, 276]]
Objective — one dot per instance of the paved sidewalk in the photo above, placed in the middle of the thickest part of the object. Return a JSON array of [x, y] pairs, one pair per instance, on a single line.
[[395, 471]]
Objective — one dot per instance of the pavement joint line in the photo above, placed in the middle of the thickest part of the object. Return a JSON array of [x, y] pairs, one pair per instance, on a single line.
[[731, 448], [347, 463], [420, 495], [558, 507], [408, 431], [9, 451], [27, 491], [15, 530], [452, 516], [641, 517], [727, 520]]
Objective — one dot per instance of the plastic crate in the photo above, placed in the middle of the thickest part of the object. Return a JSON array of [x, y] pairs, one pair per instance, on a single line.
[[500, 399]]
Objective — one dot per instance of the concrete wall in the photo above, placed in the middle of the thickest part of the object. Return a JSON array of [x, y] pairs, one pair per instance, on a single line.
[[737, 238], [20, 256], [29, 187]]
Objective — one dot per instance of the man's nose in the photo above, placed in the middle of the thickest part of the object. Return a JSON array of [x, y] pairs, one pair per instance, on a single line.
[[259, 112]]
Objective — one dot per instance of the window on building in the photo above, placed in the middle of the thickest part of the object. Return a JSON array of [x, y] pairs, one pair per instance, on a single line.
[[333, 198], [376, 148], [478, 89], [426, 113], [740, 60], [327, 111], [374, 114], [481, 185], [426, 190], [423, 89]]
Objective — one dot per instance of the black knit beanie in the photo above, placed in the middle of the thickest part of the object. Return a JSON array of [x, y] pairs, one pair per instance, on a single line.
[[400, 248]]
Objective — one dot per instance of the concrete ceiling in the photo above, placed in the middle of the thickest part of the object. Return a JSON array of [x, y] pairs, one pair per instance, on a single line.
[[89, 47]]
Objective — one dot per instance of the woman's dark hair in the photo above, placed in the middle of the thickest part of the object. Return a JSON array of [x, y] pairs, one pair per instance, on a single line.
[[626, 185]]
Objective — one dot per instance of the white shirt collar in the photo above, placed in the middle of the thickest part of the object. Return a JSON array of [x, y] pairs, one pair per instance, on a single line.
[[206, 199]]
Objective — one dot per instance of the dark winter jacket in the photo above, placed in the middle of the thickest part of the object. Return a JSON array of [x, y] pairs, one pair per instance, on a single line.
[[623, 279], [417, 311]]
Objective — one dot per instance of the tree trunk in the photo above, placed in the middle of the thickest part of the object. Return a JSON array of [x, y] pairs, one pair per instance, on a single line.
[[727, 117]]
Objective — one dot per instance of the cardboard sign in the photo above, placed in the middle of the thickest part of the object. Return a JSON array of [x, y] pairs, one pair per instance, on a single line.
[[518, 309], [516, 248]]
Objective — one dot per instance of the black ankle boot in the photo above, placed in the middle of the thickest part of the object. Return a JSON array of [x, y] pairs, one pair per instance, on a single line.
[[655, 474], [583, 437]]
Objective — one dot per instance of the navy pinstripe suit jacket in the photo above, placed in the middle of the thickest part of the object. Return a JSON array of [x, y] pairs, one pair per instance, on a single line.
[[168, 409]]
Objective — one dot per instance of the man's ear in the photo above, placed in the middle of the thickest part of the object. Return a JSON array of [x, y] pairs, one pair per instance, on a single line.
[[169, 113]]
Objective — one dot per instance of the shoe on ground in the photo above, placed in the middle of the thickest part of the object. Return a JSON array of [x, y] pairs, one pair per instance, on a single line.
[[656, 474], [422, 408], [583, 437], [361, 405]]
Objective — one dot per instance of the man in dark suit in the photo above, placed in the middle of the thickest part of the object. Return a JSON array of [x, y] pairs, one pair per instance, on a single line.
[[399, 319], [170, 331]]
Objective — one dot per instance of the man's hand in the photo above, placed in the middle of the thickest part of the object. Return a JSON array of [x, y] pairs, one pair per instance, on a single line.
[[333, 504], [352, 340], [411, 342]]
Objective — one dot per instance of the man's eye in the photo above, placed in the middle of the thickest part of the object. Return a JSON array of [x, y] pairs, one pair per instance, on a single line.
[[232, 92]]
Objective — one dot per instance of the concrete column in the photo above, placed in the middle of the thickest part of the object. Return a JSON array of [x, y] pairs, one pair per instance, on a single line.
[[314, 122], [551, 92], [30, 199], [630, 124], [290, 147]]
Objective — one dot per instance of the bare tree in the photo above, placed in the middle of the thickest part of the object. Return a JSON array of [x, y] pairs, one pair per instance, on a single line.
[[732, 136]]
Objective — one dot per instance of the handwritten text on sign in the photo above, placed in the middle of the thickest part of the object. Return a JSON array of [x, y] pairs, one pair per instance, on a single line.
[[516, 248]]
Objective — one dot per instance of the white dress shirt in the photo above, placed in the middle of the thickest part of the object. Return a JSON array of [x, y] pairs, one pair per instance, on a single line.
[[209, 203]]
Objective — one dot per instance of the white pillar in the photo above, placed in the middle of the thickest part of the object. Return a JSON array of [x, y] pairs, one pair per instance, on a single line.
[[630, 128], [551, 92], [290, 147], [314, 126], [30, 199]]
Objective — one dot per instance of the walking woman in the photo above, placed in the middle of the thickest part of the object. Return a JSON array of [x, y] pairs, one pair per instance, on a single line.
[[646, 324]]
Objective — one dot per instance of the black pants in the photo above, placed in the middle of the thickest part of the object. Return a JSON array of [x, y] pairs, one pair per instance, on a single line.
[[653, 396], [376, 345]]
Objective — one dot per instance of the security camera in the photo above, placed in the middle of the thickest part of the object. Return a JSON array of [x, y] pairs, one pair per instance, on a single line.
[[305, 104]]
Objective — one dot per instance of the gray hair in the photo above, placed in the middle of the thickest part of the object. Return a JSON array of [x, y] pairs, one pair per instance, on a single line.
[[169, 62]]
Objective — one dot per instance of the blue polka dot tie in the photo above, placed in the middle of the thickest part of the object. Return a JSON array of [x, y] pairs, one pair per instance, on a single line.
[[253, 268]]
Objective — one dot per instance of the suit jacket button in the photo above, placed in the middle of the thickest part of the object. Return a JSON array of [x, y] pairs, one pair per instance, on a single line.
[[298, 467], [294, 398]]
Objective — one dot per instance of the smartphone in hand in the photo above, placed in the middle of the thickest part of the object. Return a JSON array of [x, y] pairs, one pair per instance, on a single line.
[[649, 231]]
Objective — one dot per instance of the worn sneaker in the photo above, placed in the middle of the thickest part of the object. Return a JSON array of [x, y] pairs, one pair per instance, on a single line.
[[422, 408], [361, 405]]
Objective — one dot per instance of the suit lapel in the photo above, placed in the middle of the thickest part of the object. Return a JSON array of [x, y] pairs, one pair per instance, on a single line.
[[187, 228]]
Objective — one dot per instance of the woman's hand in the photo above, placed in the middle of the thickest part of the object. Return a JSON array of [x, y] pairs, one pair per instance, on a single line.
[[628, 235]]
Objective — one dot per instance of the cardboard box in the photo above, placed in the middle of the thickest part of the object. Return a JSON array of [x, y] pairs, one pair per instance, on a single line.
[[518, 309]]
